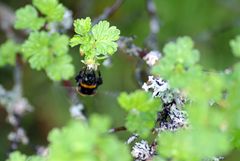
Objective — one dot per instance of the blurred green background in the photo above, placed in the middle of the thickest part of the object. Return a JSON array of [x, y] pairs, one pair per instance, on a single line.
[[211, 24]]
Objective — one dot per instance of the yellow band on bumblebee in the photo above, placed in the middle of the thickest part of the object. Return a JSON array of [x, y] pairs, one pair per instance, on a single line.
[[88, 86]]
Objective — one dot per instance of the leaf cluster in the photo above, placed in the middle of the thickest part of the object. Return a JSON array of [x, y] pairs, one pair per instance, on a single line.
[[78, 141], [8, 52], [212, 114], [49, 52], [97, 41], [212, 108], [44, 50], [17, 156], [142, 111], [28, 17]]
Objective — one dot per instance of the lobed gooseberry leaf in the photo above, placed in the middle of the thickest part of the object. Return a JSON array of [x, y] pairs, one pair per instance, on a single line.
[[59, 44], [27, 18], [35, 48], [8, 51], [138, 100], [141, 123], [88, 142], [97, 42], [17, 156], [235, 46], [82, 26], [60, 68], [105, 37], [49, 52], [51, 8], [142, 111]]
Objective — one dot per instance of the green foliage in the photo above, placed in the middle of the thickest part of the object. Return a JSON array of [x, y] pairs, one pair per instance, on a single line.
[[51, 8], [42, 49], [178, 61], [17, 156], [104, 38], [27, 18], [36, 50], [49, 52], [207, 135], [82, 26], [232, 104], [142, 111], [192, 145], [78, 141], [235, 45], [213, 106], [60, 68], [181, 52], [139, 100], [96, 42], [8, 52]]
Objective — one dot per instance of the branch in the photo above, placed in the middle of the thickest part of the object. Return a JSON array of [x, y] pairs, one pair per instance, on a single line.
[[76, 107], [7, 18], [154, 25], [15, 104], [117, 129], [18, 76], [109, 11]]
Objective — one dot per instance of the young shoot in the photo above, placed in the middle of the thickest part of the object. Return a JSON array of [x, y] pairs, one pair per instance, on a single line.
[[96, 42]]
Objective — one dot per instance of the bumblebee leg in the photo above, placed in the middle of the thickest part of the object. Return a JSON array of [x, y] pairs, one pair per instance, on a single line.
[[99, 79], [77, 78]]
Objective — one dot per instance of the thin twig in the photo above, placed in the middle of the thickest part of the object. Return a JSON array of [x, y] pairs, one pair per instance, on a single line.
[[71, 92], [76, 107], [16, 105], [109, 11], [154, 25], [117, 129], [18, 76], [7, 20]]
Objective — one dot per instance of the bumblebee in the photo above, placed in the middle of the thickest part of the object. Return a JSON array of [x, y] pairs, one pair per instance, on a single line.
[[88, 81]]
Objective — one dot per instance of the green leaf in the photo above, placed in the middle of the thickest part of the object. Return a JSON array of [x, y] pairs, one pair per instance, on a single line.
[[178, 65], [40, 60], [96, 43], [36, 158], [17, 156], [106, 47], [82, 26], [236, 138], [8, 52], [177, 53], [86, 142], [142, 111], [102, 31], [75, 40], [139, 100], [51, 8], [60, 68], [42, 49], [105, 38], [193, 145], [94, 122], [36, 50], [27, 18], [141, 123], [59, 44], [235, 46]]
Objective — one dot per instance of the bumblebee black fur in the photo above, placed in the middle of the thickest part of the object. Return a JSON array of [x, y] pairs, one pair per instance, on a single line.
[[88, 81]]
